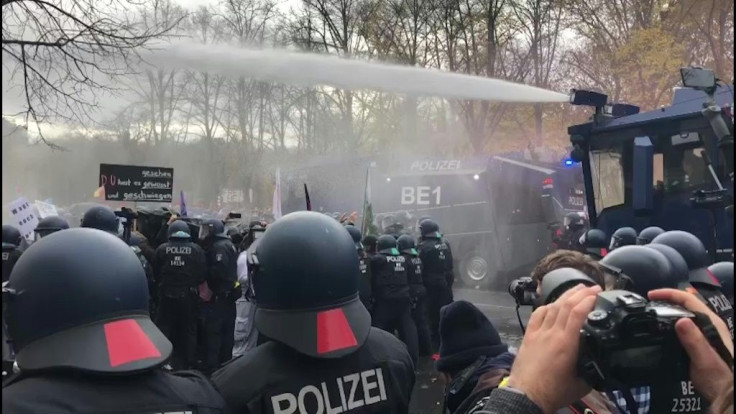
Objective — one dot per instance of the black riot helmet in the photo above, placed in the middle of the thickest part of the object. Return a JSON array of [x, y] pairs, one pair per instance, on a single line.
[[179, 230], [79, 299], [429, 228], [693, 251], [356, 235], [573, 221], [625, 236], [556, 282], [11, 236], [595, 243], [679, 272], [369, 243], [387, 245], [305, 275], [648, 234], [211, 228], [406, 245], [723, 271], [639, 269], [101, 218], [50, 225]]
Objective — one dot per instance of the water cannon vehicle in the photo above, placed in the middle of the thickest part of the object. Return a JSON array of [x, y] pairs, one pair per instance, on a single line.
[[671, 167]]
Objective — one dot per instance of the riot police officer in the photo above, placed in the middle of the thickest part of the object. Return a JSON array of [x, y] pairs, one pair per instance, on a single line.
[[369, 245], [323, 355], [77, 311], [648, 234], [594, 243], [574, 228], [723, 271], [50, 225], [102, 218], [693, 251], [11, 249], [625, 236], [418, 293], [392, 310], [365, 283], [180, 267], [436, 273], [220, 311]]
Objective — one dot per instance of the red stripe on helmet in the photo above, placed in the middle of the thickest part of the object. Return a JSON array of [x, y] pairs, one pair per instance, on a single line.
[[334, 331], [713, 277], [126, 342], [604, 252]]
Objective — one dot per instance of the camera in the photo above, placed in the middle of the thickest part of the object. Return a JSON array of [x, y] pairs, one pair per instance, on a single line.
[[523, 290], [629, 341]]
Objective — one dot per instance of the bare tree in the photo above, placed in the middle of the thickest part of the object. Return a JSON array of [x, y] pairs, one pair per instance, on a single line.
[[67, 52]]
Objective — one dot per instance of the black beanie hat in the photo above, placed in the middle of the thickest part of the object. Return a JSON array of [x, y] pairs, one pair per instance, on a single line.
[[465, 335]]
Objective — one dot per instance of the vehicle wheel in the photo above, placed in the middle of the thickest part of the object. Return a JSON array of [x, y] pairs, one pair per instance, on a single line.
[[475, 271]]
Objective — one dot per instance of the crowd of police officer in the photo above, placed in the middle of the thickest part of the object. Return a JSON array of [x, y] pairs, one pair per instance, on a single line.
[[341, 318]]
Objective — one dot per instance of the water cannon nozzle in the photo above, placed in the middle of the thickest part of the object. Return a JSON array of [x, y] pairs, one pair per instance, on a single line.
[[580, 97]]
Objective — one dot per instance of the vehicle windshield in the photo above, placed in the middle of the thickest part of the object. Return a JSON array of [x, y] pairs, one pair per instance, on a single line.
[[608, 177]]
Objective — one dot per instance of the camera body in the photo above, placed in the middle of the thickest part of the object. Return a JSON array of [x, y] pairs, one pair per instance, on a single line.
[[629, 341], [523, 290]]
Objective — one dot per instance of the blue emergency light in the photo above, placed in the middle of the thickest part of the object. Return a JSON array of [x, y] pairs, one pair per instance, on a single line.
[[569, 162]]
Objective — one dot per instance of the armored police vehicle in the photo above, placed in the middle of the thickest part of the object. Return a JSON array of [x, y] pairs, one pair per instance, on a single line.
[[671, 167], [496, 212]]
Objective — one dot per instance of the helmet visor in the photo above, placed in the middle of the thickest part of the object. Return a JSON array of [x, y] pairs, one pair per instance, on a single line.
[[205, 232]]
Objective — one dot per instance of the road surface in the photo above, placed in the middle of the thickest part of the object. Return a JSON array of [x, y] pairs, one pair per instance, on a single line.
[[500, 308]]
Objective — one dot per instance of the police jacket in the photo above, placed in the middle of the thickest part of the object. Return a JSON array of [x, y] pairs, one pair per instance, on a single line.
[[717, 302], [364, 285], [222, 266], [273, 378], [436, 262], [414, 276], [150, 392], [180, 263], [389, 277], [147, 267], [10, 256]]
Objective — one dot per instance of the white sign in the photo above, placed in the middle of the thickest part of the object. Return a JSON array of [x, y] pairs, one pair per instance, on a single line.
[[232, 196], [46, 209], [24, 217]]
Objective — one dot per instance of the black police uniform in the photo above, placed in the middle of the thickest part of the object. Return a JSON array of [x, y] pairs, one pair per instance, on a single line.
[[11, 254], [419, 304], [273, 378], [437, 275], [117, 370], [220, 312], [323, 355], [365, 291], [392, 310], [180, 266]]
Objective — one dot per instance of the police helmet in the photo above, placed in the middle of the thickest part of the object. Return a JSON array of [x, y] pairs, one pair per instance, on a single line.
[[723, 271], [573, 221], [693, 251], [356, 235], [639, 269], [235, 234], [386, 244], [595, 242], [648, 234], [179, 230], [79, 299], [429, 228], [101, 218], [369, 243], [305, 275], [212, 228], [11, 236], [406, 245], [387, 221], [680, 272], [625, 236], [50, 225], [556, 282]]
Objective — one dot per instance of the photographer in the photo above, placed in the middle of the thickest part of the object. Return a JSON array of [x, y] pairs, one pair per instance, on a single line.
[[553, 336], [568, 258]]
